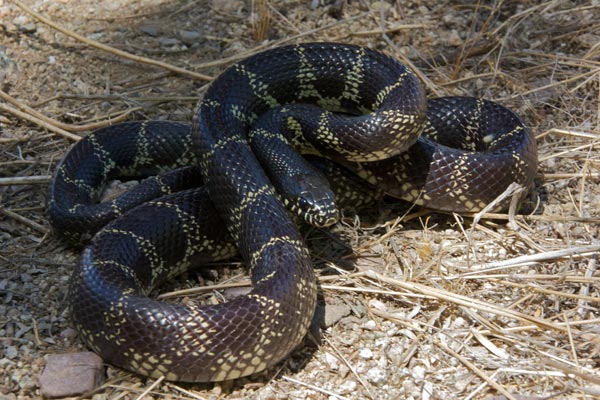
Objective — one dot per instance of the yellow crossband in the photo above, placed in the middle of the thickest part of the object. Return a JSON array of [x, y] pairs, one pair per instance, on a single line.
[[275, 241], [382, 95], [157, 264], [260, 89], [251, 197]]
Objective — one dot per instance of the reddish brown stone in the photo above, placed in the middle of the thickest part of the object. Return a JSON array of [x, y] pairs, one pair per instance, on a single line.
[[71, 374]]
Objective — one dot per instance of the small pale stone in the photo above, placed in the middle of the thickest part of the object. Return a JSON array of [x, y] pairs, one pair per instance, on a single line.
[[427, 391], [167, 41], [378, 305], [26, 383], [347, 387], [377, 376], [95, 35], [68, 333], [11, 352], [418, 372], [333, 313], [331, 361], [70, 374], [189, 36], [367, 354], [370, 325], [151, 30]]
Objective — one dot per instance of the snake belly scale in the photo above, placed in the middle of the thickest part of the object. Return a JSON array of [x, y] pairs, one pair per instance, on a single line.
[[348, 103]]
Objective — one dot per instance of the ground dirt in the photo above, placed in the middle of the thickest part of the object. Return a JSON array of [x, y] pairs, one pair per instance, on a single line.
[[421, 304]]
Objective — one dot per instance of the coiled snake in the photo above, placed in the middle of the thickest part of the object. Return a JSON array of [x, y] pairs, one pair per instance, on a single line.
[[347, 103]]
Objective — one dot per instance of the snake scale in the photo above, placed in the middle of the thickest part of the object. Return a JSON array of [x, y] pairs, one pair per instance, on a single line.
[[355, 106]]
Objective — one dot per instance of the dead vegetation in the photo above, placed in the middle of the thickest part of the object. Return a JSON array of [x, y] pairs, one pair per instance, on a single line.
[[429, 305]]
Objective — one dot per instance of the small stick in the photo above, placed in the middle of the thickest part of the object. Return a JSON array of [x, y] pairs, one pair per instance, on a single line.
[[39, 122], [466, 301], [26, 221], [545, 218], [515, 190], [534, 258], [562, 153], [474, 368], [577, 175], [580, 297], [150, 388], [553, 84], [582, 304], [391, 29], [350, 366], [182, 390], [68, 127], [313, 387], [25, 180]]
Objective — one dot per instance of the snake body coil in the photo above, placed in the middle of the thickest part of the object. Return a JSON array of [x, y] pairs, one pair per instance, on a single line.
[[348, 103]]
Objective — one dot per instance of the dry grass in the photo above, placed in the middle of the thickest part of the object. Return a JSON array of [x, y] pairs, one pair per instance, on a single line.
[[439, 306]]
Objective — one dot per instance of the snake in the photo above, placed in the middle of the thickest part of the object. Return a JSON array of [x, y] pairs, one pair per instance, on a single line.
[[229, 182]]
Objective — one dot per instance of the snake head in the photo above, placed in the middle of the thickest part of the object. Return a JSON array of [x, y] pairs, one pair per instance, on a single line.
[[309, 196]]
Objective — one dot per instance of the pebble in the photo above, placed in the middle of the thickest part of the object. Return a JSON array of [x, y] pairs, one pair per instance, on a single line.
[[71, 374], [96, 35], [24, 24], [331, 361], [418, 372], [189, 37], [27, 383], [151, 30], [378, 305], [11, 352], [427, 391], [232, 293], [68, 333], [165, 41], [347, 387], [370, 325], [377, 376], [367, 354], [335, 312]]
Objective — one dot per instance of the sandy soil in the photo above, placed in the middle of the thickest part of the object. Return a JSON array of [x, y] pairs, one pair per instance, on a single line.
[[419, 304]]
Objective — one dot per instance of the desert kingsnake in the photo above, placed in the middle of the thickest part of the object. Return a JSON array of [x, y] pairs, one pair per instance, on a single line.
[[376, 109]]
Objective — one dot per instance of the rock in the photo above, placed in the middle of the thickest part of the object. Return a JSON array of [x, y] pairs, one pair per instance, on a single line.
[[96, 36], [151, 30], [27, 383], [370, 325], [189, 37], [71, 374], [331, 361], [378, 305], [348, 387], [232, 293], [333, 313], [377, 376], [24, 24], [11, 352], [365, 353], [68, 333], [167, 41]]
